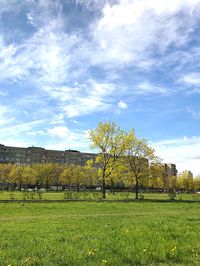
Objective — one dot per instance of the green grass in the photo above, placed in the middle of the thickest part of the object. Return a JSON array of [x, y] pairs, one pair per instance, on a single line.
[[5, 195], [89, 233]]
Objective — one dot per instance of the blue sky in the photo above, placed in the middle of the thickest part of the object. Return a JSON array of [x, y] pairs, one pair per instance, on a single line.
[[66, 65]]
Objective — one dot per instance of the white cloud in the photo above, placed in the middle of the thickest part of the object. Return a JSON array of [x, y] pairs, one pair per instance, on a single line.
[[191, 79], [57, 119], [5, 116], [84, 98], [17, 129], [184, 152], [68, 139], [130, 32], [145, 88], [81, 106], [122, 105], [59, 131]]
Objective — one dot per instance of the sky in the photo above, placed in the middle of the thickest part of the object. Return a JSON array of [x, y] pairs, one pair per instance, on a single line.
[[66, 65]]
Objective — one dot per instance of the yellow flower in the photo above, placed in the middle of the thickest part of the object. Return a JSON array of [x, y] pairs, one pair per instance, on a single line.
[[90, 252], [173, 249], [144, 250], [104, 261], [27, 259]]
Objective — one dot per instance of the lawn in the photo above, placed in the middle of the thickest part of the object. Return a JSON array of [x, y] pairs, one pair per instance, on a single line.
[[97, 233], [5, 195]]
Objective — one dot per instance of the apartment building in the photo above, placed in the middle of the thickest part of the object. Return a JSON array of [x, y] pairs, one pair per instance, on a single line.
[[187, 174], [31, 155], [169, 170]]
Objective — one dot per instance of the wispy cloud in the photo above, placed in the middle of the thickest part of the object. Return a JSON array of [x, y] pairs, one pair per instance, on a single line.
[[191, 79], [193, 112], [5, 117], [132, 32], [148, 88], [64, 138]]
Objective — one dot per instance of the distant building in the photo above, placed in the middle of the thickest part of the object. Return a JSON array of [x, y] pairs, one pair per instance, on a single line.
[[188, 174], [31, 155], [169, 170]]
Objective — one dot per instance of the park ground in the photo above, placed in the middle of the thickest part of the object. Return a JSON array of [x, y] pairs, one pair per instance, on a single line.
[[100, 233], [86, 195]]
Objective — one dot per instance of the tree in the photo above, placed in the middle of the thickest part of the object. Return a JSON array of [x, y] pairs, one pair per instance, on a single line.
[[156, 180], [185, 181], [91, 173], [57, 171], [197, 183], [44, 174], [28, 175], [73, 175], [5, 170], [77, 176], [139, 155], [16, 176], [172, 184], [118, 174], [66, 176], [111, 142]]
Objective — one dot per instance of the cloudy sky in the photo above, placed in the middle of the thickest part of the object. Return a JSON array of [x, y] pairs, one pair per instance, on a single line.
[[66, 65]]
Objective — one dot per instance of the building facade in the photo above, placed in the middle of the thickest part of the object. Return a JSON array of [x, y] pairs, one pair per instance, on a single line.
[[169, 170], [31, 155]]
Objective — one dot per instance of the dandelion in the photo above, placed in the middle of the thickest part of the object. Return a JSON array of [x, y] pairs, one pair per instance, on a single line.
[[27, 259], [144, 250], [104, 261], [91, 252], [173, 249]]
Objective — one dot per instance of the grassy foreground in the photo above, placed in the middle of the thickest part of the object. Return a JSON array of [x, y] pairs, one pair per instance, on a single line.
[[89, 233]]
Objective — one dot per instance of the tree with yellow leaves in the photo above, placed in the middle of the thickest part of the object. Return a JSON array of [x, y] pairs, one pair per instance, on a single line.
[[138, 156], [111, 142]]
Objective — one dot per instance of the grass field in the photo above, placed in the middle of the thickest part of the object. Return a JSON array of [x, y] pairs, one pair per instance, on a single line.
[[5, 195], [90, 233]]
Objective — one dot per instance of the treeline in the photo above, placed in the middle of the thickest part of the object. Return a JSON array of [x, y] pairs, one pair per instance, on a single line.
[[42, 176], [77, 177]]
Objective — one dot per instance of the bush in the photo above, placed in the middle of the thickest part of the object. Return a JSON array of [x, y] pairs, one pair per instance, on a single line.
[[172, 195], [141, 196]]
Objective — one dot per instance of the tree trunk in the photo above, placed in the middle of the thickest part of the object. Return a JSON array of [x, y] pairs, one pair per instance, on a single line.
[[77, 187], [104, 188], [112, 187], [136, 188]]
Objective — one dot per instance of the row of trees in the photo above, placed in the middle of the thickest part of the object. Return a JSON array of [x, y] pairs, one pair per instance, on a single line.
[[41, 176], [75, 176], [122, 160]]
